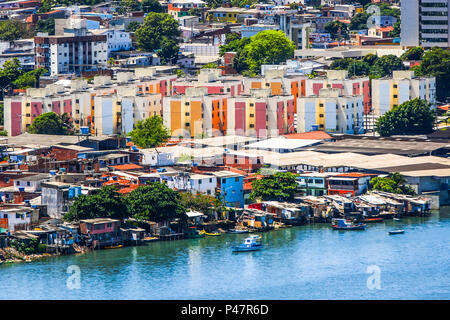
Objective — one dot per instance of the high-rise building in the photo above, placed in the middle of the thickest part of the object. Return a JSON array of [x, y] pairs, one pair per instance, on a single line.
[[425, 23]]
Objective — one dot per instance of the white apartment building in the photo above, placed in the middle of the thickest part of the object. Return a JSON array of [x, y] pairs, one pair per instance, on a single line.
[[330, 111], [71, 52], [116, 40], [401, 87], [425, 23]]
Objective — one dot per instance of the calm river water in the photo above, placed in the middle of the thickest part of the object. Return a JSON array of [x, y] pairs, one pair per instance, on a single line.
[[307, 262]]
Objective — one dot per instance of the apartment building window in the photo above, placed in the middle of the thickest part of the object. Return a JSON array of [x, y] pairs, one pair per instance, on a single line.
[[186, 104], [395, 86], [251, 104], [252, 125], [321, 115], [395, 96], [320, 105], [186, 114], [187, 124], [252, 115]]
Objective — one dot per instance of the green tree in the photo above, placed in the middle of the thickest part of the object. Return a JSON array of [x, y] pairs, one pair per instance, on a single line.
[[231, 36], [13, 29], [133, 26], [10, 72], [180, 73], [397, 30], [29, 79], [48, 123], [150, 133], [157, 28], [415, 53], [234, 45], [358, 68], [210, 66], [409, 118], [386, 64], [129, 6], [337, 30], [103, 203], [340, 64], [359, 21], [156, 202], [395, 183], [370, 59], [47, 25], [151, 6], [267, 47], [169, 51], [436, 63], [198, 202], [2, 116], [280, 186]]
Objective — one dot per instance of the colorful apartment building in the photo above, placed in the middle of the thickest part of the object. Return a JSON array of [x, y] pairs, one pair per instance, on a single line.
[[279, 84], [261, 114], [213, 81], [331, 112], [196, 114], [139, 94], [403, 86], [339, 79]]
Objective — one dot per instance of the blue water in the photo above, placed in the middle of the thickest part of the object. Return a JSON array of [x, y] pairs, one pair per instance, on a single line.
[[307, 262]]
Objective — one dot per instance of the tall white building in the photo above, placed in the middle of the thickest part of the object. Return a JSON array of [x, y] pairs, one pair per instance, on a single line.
[[425, 23]]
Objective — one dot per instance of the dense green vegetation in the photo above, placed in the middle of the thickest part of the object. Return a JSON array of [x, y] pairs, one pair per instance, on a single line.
[[51, 123], [409, 118], [47, 25], [280, 186], [436, 63], [150, 133], [266, 47], [394, 183], [159, 33], [155, 202], [105, 203], [13, 29], [13, 76], [370, 65]]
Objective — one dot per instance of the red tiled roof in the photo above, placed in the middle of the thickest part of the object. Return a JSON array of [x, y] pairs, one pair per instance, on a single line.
[[128, 166], [385, 29], [313, 135], [128, 189], [354, 174], [247, 186]]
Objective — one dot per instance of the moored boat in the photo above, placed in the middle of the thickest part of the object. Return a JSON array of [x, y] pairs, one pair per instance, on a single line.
[[113, 247], [251, 243], [398, 231], [342, 224], [210, 234], [237, 231], [372, 219]]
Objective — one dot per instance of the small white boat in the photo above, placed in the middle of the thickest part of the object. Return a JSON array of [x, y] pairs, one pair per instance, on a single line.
[[396, 219]]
